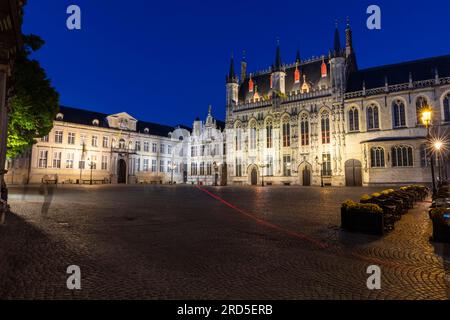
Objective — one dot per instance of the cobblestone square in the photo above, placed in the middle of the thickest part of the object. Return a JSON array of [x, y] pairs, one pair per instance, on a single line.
[[186, 242]]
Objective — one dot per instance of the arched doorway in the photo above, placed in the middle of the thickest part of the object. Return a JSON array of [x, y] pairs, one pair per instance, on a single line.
[[121, 171], [254, 177], [304, 171], [353, 173]]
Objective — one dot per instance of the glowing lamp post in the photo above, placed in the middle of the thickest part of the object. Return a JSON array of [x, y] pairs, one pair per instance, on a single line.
[[426, 120]]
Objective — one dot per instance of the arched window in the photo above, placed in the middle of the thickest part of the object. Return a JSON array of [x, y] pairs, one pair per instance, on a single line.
[[286, 133], [373, 122], [398, 114], [402, 156], [304, 130], [253, 136], [238, 137], [421, 102], [269, 129], [353, 119], [325, 127], [446, 105], [376, 157]]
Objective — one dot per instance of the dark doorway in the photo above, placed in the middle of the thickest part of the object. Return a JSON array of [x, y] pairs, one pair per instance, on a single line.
[[216, 178], [254, 177], [306, 176], [121, 171], [353, 173]]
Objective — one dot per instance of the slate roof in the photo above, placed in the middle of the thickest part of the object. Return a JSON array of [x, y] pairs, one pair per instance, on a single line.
[[85, 117], [423, 69], [396, 138]]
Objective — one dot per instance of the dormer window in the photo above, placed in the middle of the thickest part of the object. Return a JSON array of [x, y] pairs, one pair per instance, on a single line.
[[250, 84], [146, 130], [59, 116], [123, 123], [95, 122], [323, 69], [296, 75], [305, 86]]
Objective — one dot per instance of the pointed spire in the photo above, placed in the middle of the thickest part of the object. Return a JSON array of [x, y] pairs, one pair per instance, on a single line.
[[348, 38], [297, 57], [278, 65], [209, 110], [337, 40], [232, 74], [243, 66]]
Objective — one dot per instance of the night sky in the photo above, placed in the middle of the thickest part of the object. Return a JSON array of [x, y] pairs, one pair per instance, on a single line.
[[166, 61]]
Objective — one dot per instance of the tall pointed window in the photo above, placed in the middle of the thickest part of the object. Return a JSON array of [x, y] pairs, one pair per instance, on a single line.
[[252, 136], [325, 127], [373, 122], [304, 130], [398, 114], [269, 129], [238, 137], [446, 105], [353, 119], [286, 133]]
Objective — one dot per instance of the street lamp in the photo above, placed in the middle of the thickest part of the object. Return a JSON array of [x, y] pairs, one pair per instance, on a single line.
[[426, 114], [262, 166], [91, 165], [172, 168], [321, 170]]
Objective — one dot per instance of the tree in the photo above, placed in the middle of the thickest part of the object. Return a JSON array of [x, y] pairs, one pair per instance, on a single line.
[[34, 103]]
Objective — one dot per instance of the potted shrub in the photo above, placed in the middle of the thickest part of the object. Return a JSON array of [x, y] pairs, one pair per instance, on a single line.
[[441, 224], [362, 217]]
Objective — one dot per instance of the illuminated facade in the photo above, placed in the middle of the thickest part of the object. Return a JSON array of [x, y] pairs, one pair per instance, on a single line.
[[323, 121]]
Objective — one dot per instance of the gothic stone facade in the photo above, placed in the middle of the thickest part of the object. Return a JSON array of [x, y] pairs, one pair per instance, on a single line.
[[323, 121]]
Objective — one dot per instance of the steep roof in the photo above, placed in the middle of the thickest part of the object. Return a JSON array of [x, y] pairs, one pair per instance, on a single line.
[[310, 68], [398, 73], [85, 117]]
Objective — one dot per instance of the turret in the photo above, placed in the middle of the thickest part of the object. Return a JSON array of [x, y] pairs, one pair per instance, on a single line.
[[337, 64], [349, 52], [243, 67], [278, 73]]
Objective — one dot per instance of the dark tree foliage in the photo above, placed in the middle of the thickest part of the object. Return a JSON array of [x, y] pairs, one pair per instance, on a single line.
[[34, 103]]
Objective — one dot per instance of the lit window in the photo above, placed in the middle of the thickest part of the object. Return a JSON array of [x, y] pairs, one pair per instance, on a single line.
[[398, 114], [376, 157], [402, 156]]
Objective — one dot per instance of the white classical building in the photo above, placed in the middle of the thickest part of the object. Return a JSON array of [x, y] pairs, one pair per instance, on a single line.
[[86, 146], [324, 121]]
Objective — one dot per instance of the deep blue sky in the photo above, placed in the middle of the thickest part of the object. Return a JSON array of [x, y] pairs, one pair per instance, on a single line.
[[165, 61]]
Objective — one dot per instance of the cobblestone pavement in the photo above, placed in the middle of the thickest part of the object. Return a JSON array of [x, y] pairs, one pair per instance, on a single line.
[[181, 242]]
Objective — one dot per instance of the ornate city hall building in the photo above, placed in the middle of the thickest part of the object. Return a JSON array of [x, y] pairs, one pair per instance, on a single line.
[[324, 121]]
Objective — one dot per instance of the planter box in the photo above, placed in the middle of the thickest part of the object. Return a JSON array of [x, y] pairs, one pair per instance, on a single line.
[[369, 223], [441, 231]]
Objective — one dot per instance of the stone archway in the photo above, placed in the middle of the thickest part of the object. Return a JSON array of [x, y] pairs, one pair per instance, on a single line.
[[353, 173], [304, 173], [253, 175], [121, 171]]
